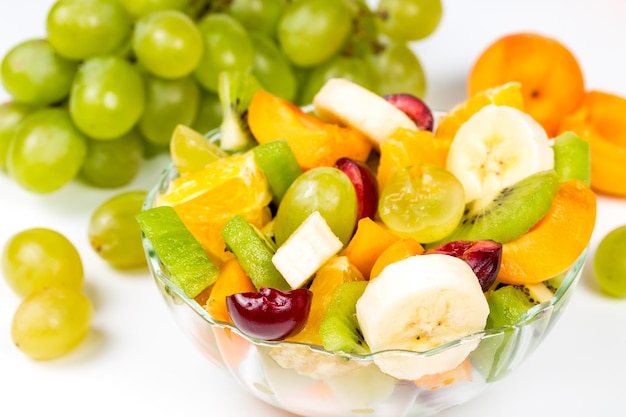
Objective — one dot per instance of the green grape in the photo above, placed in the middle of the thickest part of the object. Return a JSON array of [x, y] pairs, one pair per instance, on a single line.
[[258, 15], [151, 150], [398, 70], [409, 20], [113, 163], [209, 115], [352, 68], [79, 29], [139, 8], [11, 114], [33, 73], [227, 47], [365, 34], [47, 151], [324, 189], [312, 31], [37, 258], [271, 68], [168, 103], [114, 233], [167, 43], [609, 263], [52, 322], [425, 205], [107, 97]]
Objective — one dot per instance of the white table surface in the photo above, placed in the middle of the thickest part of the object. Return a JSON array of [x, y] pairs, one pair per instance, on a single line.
[[137, 362]]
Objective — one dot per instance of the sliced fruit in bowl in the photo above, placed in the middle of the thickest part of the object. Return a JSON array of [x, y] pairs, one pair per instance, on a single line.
[[379, 293]]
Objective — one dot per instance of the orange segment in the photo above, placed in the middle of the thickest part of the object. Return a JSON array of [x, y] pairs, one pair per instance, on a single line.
[[313, 142], [600, 121], [401, 249], [232, 280], [555, 242], [550, 75], [410, 148], [206, 199], [507, 94], [369, 241], [336, 271]]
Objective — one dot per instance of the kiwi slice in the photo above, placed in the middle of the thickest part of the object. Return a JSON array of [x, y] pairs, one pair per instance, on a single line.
[[235, 91], [279, 164], [507, 306], [254, 251], [511, 212], [572, 158], [188, 264], [339, 329]]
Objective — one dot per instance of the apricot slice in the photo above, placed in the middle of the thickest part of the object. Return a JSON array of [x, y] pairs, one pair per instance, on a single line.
[[369, 241], [231, 280], [600, 121], [410, 148], [555, 242], [313, 141], [397, 251], [551, 77]]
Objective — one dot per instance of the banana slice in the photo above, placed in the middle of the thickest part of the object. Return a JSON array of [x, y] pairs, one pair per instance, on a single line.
[[306, 250], [497, 147], [344, 102], [418, 304]]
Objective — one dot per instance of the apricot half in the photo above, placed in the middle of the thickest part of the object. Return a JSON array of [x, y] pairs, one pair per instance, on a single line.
[[601, 121], [313, 141], [555, 242], [551, 77]]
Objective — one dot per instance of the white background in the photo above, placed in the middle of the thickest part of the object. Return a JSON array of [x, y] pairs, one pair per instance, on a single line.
[[137, 361]]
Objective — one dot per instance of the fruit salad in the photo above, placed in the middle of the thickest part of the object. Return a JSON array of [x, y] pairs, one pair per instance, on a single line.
[[364, 226]]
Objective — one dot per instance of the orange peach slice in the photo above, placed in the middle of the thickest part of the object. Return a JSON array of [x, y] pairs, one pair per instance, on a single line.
[[555, 242], [397, 251], [232, 280], [369, 241], [600, 121], [313, 141]]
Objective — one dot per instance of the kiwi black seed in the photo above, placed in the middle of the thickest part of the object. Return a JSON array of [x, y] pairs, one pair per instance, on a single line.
[[511, 212]]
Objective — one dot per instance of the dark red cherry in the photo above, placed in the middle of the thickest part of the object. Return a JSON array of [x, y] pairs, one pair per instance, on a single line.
[[413, 107], [270, 314], [483, 256], [365, 185]]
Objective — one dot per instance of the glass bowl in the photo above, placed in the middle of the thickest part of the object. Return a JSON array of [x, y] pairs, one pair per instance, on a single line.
[[309, 381]]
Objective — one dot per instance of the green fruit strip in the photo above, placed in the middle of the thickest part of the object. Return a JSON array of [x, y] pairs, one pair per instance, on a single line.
[[253, 253], [339, 328], [279, 165], [189, 266], [572, 158]]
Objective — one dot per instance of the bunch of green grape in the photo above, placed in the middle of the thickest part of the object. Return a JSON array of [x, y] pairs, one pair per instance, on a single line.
[[112, 78]]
